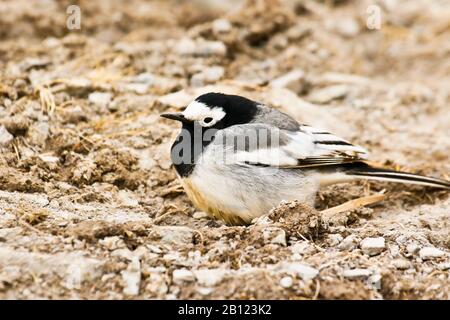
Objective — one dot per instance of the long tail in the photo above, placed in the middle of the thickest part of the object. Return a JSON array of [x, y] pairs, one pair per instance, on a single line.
[[365, 171]]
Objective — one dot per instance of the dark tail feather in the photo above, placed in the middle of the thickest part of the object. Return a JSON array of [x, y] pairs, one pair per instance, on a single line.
[[363, 170]]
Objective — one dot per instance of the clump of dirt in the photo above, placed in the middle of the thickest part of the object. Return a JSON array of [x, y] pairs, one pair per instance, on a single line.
[[117, 167], [344, 290], [261, 20], [17, 125], [34, 217], [14, 180], [297, 219], [398, 287], [93, 231], [65, 141]]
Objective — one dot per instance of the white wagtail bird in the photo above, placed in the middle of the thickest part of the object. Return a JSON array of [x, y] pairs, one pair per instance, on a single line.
[[237, 158]]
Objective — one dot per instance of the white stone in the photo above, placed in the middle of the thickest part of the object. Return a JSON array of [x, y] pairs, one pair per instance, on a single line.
[[127, 198], [205, 291], [302, 270], [274, 235], [286, 282], [444, 266], [185, 46], [375, 280], [296, 257], [334, 239], [293, 80], [349, 243], [146, 162], [347, 27], [412, 248], [357, 273], [156, 284], [200, 48], [430, 253], [141, 84], [401, 240], [49, 158], [174, 235], [211, 48], [394, 250], [200, 215], [78, 83], [401, 264], [170, 296], [7, 102], [139, 88], [73, 267], [154, 249], [221, 26], [182, 275], [132, 277], [112, 243], [373, 246], [123, 253], [207, 76], [101, 99], [74, 276], [342, 78], [5, 137], [145, 77], [301, 247], [9, 233], [38, 133], [209, 277], [328, 94]]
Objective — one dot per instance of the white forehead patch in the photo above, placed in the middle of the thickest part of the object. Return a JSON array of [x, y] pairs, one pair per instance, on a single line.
[[197, 111]]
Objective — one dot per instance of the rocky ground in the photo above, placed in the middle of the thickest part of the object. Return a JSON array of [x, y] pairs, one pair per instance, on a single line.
[[89, 204]]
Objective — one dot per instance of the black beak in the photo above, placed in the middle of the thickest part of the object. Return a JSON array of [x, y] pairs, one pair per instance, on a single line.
[[175, 116]]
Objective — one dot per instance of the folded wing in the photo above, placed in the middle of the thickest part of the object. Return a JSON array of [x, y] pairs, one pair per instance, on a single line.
[[265, 145]]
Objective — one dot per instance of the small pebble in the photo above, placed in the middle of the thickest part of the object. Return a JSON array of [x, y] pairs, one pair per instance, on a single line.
[[394, 250], [412, 248], [301, 247], [375, 280], [430, 253], [5, 137], [286, 282], [112, 243], [293, 80], [356, 273], [349, 243], [373, 246], [303, 271], [401, 264], [207, 76], [444, 266], [209, 277], [274, 235], [205, 291], [101, 99], [174, 235], [200, 215], [189, 47], [183, 275], [132, 277], [329, 94], [221, 26], [334, 239]]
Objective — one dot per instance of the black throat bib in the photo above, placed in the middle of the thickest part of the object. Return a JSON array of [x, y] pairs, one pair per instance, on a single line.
[[189, 145]]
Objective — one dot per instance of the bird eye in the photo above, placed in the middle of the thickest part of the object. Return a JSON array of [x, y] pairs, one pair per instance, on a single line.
[[207, 120]]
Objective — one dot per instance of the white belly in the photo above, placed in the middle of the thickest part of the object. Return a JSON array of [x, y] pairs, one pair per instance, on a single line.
[[239, 194]]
